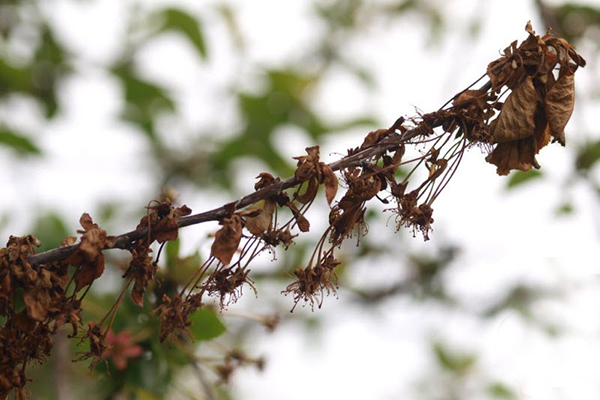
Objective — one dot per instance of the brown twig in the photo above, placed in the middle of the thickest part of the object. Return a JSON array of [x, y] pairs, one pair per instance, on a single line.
[[125, 240]]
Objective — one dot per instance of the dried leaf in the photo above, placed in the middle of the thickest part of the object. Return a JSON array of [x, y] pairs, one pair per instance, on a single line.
[[166, 229], [398, 154], [303, 223], [86, 222], [516, 121], [314, 153], [330, 182], [435, 170], [68, 241], [307, 165], [37, 303], [227, 239], [309, 194], [373, 137], [264, 179], [88, 257], [142, 269], [89, 272], [559, 103], [259, 220], [470, 98], [519, 154], [138, 291]]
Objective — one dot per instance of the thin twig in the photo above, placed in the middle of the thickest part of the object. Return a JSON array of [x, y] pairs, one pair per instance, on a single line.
[[125, 240]]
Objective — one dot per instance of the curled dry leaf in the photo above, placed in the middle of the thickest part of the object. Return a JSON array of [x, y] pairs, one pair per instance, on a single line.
[[227, 239], [471, 99], [167, 227], [559, 103], [373, 137], [519, 154], [68, 241], [516, 121], [88, 257], [264, 179], [330, 182], [307, 165], [142, 269], [301, 220], [259, 218], [309, 194]]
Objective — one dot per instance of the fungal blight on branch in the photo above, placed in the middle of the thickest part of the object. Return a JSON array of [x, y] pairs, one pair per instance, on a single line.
[[50, 284]]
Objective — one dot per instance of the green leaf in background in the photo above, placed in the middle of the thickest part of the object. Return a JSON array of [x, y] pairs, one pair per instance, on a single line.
[[48, 65], [145, 99], [517, 178], [587, 156], [500, 391], [19, 143], [178, 20], [283, 102], [14, 79], [39, 77], [50, 229], [452, 361], [573, 19], [205, 325], [565, 208], [172, 253]]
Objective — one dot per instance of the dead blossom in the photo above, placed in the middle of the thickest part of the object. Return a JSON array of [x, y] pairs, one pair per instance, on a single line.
[[525, 106]]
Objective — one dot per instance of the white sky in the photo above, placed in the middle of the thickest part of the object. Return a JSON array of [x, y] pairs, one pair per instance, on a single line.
[[506, 238]]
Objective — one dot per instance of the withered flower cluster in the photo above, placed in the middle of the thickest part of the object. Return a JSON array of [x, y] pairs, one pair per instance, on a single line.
[[38, 300], [405, 167]]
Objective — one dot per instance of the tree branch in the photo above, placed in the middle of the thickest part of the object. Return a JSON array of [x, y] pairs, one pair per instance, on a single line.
[[124, 240]]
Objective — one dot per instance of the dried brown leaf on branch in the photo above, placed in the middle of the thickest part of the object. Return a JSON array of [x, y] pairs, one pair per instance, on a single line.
[[539, 106], [143, 270], [227, 239], [516, 121], [258, 219], [559, 104], [161, 220], [89, 258]]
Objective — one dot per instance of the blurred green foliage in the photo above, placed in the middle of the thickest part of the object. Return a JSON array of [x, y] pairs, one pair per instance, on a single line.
[[18, 143], [518, 178]]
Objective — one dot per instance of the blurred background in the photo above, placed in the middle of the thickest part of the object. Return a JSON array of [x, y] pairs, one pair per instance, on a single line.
[[107, 104]]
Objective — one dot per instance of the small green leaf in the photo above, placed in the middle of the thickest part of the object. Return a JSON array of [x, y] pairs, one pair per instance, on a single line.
[[565, 208], [18, 143], [15, 79], [144, 99], [518, 178], [172, 252], [50, 229], [587, 156], [206, 325], [500, 391], [185, 268], [178, 20], [451, 361]]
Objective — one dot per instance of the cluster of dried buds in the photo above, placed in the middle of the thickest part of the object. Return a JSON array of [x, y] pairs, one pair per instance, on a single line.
[[406, 167], [38, 300]]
